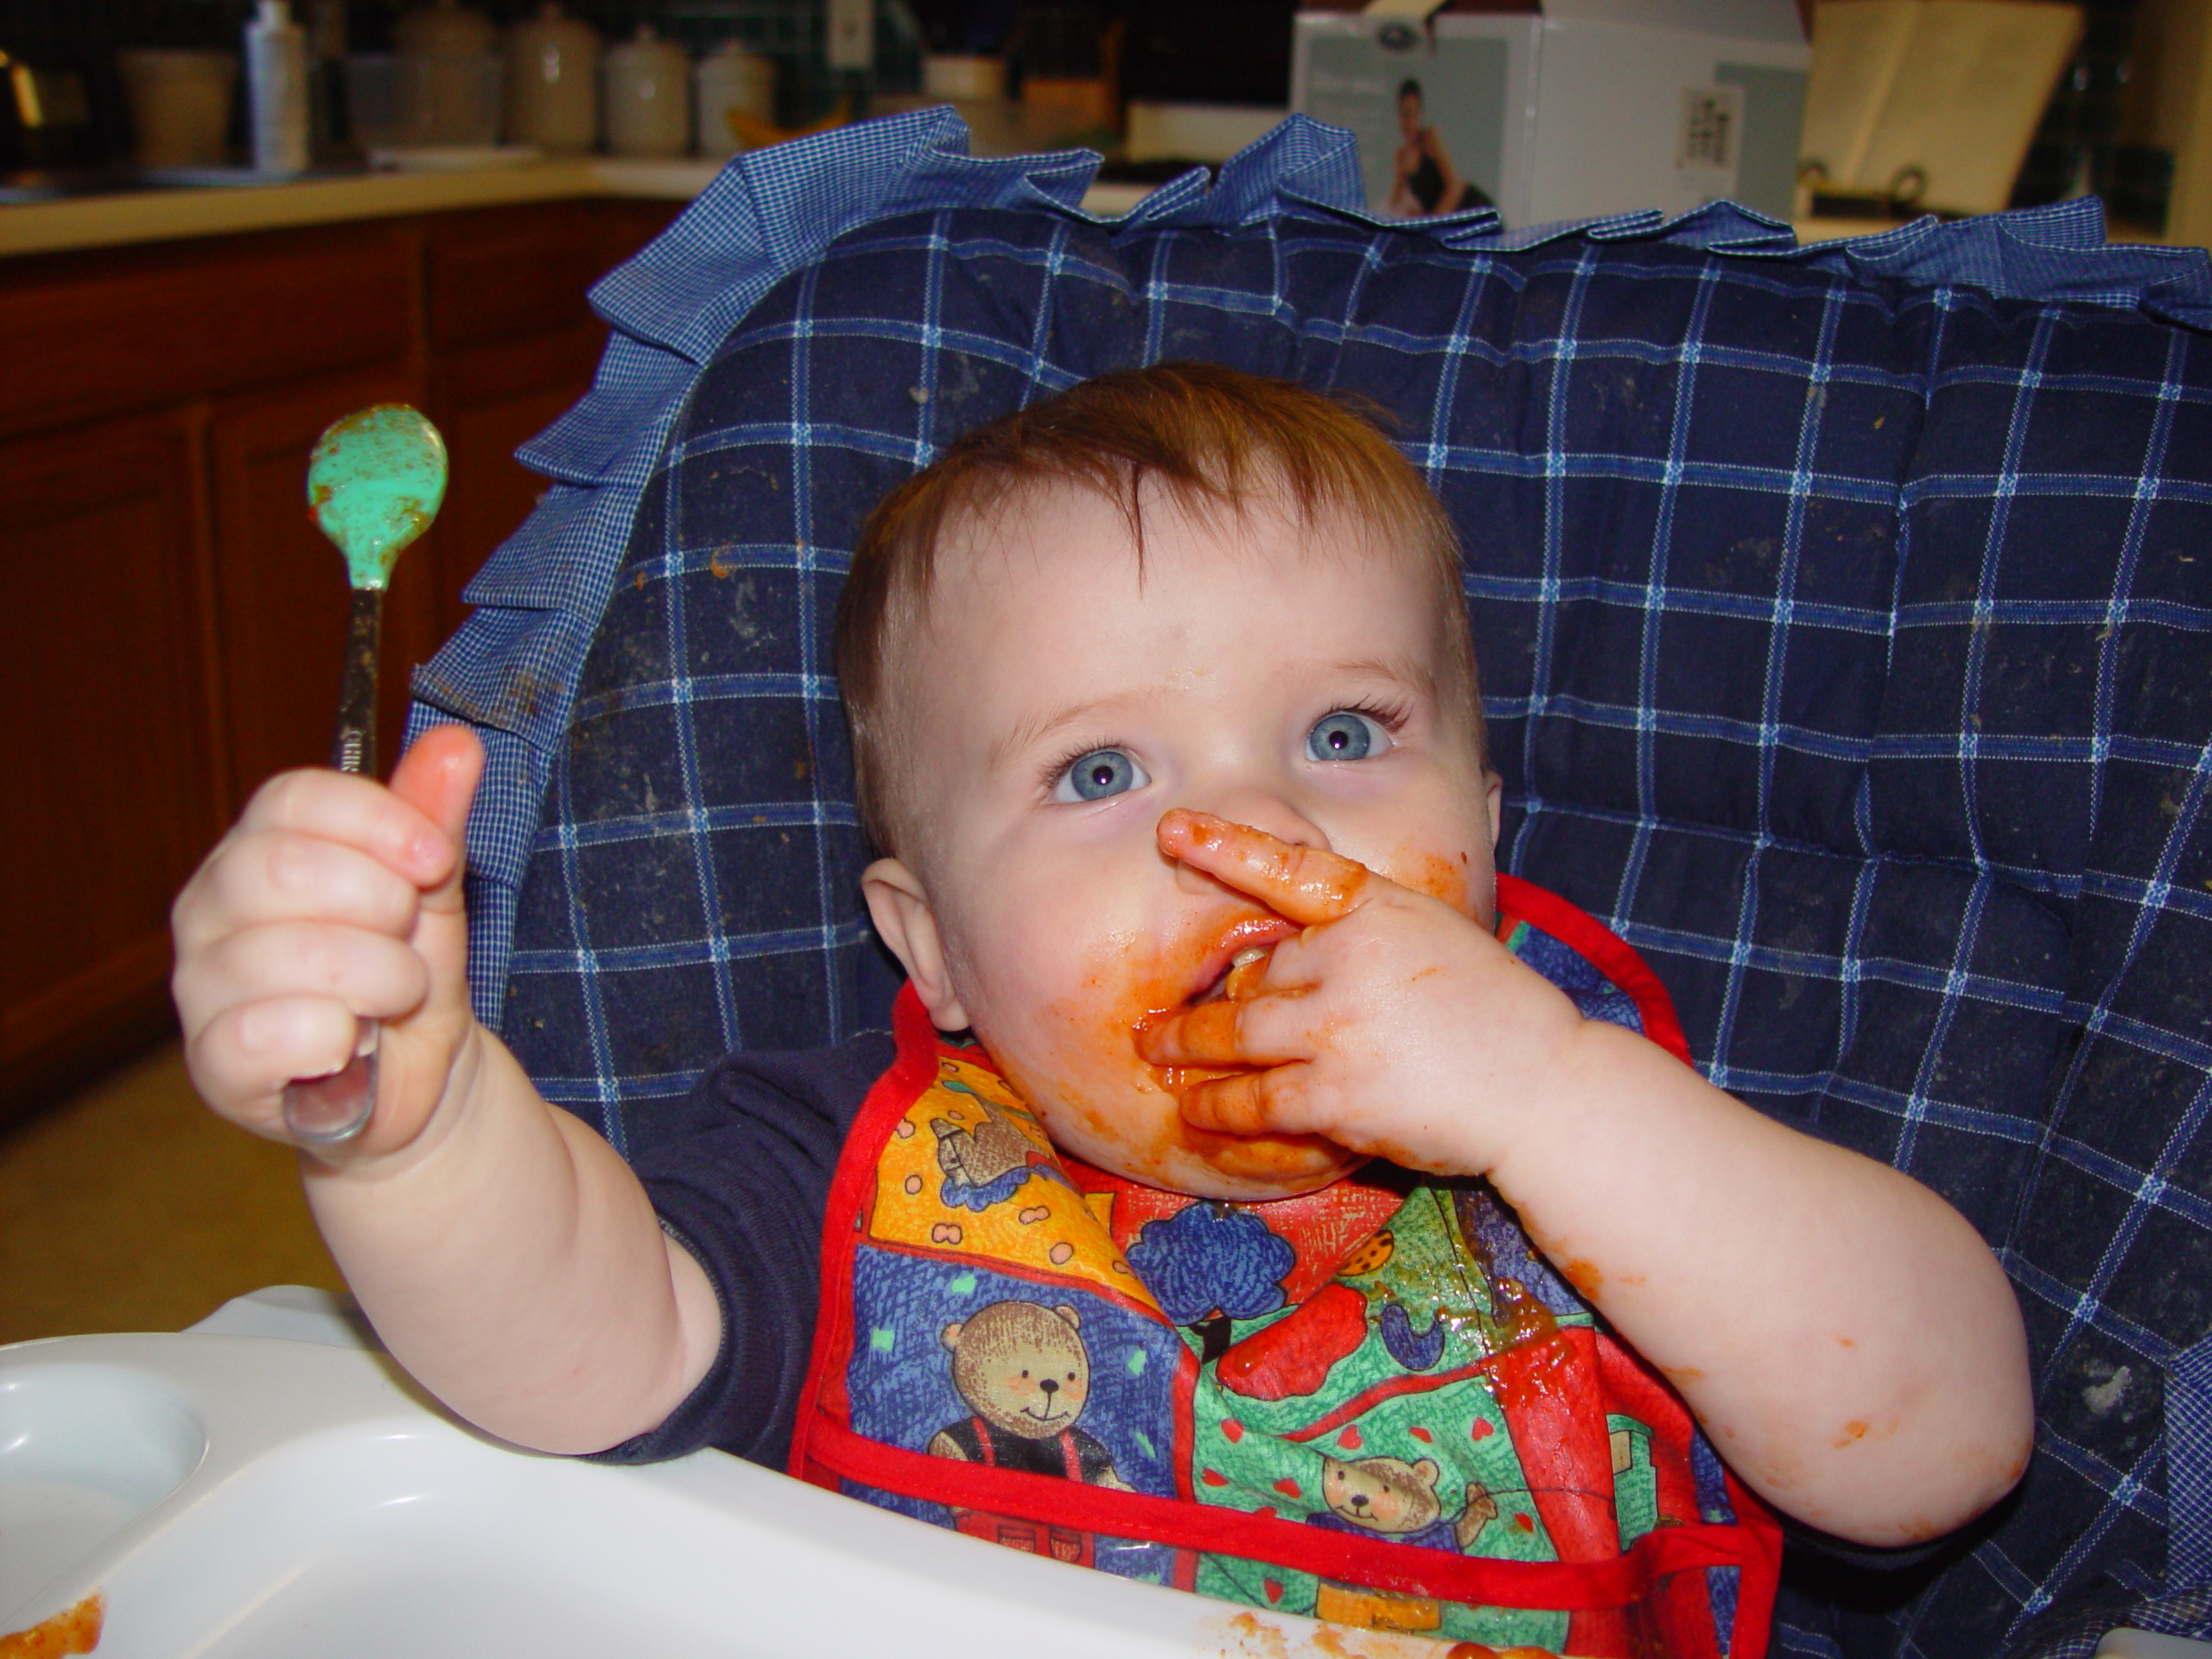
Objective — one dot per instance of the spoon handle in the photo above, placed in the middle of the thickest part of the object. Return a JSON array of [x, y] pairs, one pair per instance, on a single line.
[[354, 747], [330, 1111]]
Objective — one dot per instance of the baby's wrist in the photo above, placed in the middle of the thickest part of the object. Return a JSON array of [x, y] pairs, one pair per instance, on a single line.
[[1561, 1107]]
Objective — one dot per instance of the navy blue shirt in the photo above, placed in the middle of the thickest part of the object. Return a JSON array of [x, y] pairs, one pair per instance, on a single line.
[[739, 1173]]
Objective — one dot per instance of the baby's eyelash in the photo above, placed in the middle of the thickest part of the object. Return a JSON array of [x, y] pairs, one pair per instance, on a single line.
[[1390, 714]]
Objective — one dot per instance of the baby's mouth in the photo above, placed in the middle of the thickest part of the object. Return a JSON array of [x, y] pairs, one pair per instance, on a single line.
[[1235, 964]]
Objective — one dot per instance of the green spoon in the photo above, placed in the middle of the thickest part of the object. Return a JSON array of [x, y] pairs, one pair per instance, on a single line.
[[374, 484]]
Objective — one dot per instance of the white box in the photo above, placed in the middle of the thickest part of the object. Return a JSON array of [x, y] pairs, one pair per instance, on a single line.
[[1587, 107]]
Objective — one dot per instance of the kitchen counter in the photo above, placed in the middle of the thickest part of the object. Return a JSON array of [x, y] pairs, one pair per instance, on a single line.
[[160, 215]]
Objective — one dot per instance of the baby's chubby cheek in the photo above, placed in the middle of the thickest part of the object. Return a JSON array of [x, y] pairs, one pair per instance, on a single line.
[[1453, 877]]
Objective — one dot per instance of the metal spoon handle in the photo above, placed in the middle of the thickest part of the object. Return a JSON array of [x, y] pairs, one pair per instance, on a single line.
[[330, 1111], [354, 747]]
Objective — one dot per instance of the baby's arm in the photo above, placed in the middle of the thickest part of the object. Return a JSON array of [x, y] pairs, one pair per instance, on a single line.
[[1845, 1336], [505, 1252]]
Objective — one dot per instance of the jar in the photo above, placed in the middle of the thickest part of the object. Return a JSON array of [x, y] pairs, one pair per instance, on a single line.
[[450, 74], [553, 82], [731, 78], [445, 28], [180, 104], [648, 85]]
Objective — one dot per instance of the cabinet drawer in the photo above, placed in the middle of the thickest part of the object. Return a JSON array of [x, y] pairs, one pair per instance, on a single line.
[[97, 335]]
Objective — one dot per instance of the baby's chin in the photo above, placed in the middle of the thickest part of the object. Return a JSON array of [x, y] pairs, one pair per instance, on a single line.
[[1248, 1169]]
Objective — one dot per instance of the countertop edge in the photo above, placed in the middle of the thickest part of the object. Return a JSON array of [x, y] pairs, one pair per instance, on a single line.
[[150, 216], [155, 216]]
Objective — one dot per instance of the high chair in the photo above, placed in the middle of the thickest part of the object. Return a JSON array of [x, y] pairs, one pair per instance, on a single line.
[[1845, 620], [1843, 614]]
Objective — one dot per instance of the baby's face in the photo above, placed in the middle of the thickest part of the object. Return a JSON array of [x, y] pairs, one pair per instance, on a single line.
[[1290, 676]]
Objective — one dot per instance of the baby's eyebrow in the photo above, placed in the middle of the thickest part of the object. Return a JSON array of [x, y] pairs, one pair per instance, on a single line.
[[1030, 733], [1405, 670]]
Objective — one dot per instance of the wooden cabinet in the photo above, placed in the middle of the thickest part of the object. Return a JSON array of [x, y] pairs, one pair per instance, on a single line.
[[105, 645], [170, 621]]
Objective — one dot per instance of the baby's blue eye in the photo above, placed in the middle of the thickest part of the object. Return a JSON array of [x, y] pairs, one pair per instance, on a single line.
[[1345, 736], [1102, 773]]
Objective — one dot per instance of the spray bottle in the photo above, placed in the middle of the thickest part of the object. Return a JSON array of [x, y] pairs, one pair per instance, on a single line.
[[277, 84]]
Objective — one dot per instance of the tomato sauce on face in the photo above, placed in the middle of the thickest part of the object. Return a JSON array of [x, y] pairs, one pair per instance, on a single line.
[[1440, 875], [1105, 1103]]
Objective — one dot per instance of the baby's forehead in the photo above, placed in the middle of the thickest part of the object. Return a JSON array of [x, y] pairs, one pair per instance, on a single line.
[[1035, 520], [1231, 545]]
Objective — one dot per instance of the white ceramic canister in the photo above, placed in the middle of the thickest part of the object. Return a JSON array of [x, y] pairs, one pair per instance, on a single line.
[[445, 28], [553, 82], [180, 104], [648, 82], [731, 78], [450, 74]]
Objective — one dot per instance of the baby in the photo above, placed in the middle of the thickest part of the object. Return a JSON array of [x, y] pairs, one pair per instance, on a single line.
[[1166, 720]]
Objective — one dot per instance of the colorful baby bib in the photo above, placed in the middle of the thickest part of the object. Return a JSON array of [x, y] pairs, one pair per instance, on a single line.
[[1376, 1404]]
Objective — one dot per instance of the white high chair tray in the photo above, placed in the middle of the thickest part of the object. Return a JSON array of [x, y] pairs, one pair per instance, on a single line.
[[239, 1495]]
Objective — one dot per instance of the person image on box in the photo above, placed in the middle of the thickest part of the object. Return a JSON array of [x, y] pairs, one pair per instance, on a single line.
[[1422, 179]]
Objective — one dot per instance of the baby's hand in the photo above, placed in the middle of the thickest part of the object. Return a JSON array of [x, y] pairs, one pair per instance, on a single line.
[[1394, 1025], [332, 900]]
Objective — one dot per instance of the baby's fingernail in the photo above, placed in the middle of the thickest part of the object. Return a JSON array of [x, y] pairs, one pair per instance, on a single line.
[[1199, 828]]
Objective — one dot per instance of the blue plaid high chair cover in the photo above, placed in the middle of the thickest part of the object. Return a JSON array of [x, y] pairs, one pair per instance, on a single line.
[[1845, 618]]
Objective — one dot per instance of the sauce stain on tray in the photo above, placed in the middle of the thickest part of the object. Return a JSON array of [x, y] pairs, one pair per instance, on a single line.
[[1255, 1635], [75, 1629]]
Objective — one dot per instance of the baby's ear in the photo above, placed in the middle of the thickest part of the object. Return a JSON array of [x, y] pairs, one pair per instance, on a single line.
[[1495, 787], [903, 916]]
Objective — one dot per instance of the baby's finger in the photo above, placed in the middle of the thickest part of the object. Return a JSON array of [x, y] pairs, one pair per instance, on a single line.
[[373, 976], [1308, 885], [1270, 1101], [1260, 1031], [278, 875], [438, 778], [358, 812], [241, 1058]]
